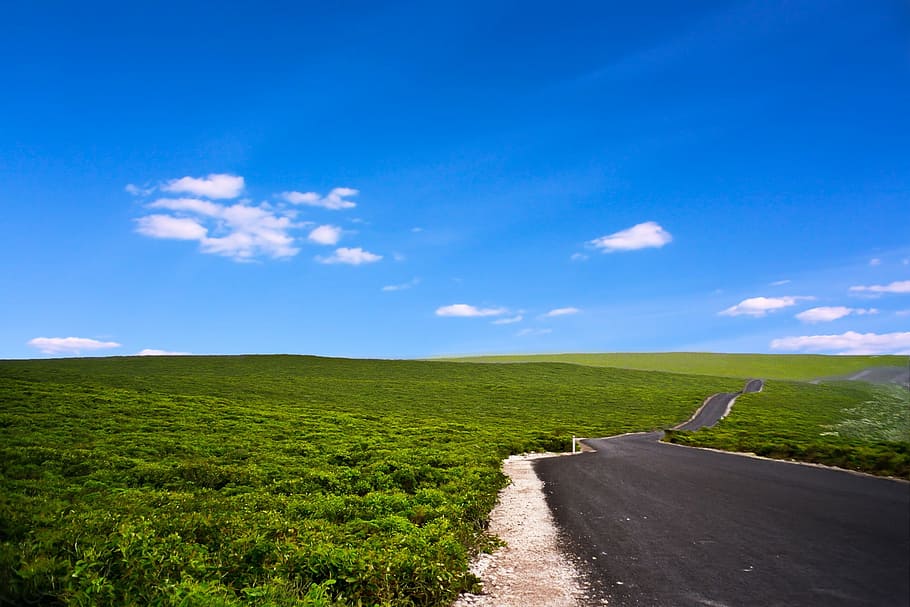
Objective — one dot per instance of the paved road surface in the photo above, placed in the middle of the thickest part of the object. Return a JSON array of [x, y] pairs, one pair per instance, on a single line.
[[660, 524]]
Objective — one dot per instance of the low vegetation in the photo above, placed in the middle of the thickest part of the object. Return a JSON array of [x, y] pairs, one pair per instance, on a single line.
[[851, 425], [290, 480], [275, 480], [767, 366]]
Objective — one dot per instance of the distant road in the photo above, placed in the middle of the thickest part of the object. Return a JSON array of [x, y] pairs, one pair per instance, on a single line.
[[717, 407], [660, 524]]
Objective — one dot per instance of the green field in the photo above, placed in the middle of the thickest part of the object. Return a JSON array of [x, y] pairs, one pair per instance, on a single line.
[[766, 366], [279, 480], [293, 480], [847, 424]]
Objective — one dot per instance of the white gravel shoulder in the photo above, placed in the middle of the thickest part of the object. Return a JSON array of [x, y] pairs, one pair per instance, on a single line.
[[530, 570]]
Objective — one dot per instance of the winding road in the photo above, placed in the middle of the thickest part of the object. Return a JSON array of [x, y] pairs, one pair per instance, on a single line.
[[662, 524]]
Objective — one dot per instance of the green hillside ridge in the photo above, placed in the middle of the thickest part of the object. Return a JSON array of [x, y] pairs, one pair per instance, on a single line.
[[768, 366]]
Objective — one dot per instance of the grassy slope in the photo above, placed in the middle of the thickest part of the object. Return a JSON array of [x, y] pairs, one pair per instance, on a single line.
[[852, 425], [848, 424], [280, 480], [767, 366]]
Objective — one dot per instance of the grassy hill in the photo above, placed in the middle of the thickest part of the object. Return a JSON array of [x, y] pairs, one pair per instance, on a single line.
[[293, 480], [279, 480], [766, 366], [846, 424]]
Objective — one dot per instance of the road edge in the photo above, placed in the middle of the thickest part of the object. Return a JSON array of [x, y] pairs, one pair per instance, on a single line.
[[531, 570]]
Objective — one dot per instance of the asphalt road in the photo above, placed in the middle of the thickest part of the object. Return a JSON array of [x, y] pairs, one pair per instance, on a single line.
[[661, 524]]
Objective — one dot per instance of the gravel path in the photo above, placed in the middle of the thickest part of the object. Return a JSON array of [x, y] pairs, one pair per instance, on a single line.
[[530, 571]]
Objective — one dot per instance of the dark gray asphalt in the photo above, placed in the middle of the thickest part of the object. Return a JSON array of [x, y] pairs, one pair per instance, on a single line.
[[660, 524], [715, 408]]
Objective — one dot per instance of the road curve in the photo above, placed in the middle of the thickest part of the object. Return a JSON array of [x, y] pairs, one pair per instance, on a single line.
[[717, 407], [661, 524]]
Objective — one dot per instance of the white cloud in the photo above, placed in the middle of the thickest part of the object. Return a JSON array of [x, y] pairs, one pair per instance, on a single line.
[[354, 257], [325, 235], [165, 226], [70, 345], [509, 321], [335, 200], [847, 343], [562, 312], [533, 332], [216, 185], [759, 306], [466, 311], [251, 231], [903, 313], [780, 283], [875, 261], [402, 287], [135, 190], [578, 257], [641, 236], [899, 286], [154, 352], [240, 231], [906, 262], [417, 230], [188, 205], [829, 313]]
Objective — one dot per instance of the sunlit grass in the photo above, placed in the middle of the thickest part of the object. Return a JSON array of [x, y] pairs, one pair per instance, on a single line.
[[848, 424], [280, 480], [765, 366], [885, 416]]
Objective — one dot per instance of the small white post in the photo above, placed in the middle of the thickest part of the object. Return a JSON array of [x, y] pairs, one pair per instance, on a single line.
[[573, 444]]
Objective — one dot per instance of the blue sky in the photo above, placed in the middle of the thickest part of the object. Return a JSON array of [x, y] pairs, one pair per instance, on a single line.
[[409, 179]]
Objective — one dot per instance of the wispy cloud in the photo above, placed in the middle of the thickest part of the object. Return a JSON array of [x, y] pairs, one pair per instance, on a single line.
[[780, 283], [166, 226], [216, 185], [760, 306], [154, 352], [578, 257], [830, 313], [70, 345], [899, 286], [533, 332], [850, 342], [136, 190], [509, 321], [875, 261], [641, 236], [350, 256], [561, 312], [239, 231], [468, 311], [328, 235], [403, 286], [335, 200], [196, 206]]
